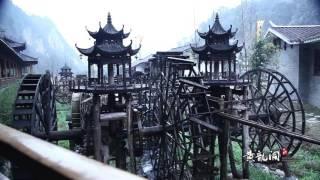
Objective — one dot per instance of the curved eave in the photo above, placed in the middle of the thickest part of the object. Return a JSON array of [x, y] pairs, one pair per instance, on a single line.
[[233, 33], [19, 47], [203, 35], [199, 50], [87, 52], [207, 35], [238, 49], [93, 34], [216, 48], [125, 35], [101, 33], [118, 51], [135, 51], [229, 48]]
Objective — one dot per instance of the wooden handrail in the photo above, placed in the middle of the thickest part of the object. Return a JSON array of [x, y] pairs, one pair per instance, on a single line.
[[61, 161]]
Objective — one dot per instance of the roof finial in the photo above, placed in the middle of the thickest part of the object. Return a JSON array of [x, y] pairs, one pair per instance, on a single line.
[[217, 17], [109, 18]]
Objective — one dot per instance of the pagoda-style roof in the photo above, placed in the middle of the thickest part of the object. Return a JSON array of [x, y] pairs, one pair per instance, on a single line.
[[109, 44], [65, 67], [217, 30], [108, 31], [217, 48], [109, 49], [217, 41]]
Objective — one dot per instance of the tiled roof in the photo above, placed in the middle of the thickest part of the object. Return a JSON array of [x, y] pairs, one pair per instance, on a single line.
[[13, 48], [296, 34], [182, 48]]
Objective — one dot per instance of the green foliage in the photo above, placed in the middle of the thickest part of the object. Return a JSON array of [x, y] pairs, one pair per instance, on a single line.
[[62, 113], [262, 54], [258, 174], [255, 173], [7, 98], [305, 164]]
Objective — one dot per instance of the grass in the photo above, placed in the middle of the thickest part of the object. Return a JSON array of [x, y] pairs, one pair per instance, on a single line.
[[305, 165], [7, 98], [62, 112], [255, 173]]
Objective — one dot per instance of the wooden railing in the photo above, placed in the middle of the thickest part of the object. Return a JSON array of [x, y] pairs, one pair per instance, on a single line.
[[43, 160]]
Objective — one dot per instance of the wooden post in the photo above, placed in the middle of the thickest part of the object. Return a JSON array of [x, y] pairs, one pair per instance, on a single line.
[[216, 69], [223, 146], [101, 74], [124, 74], [89, 73], [0, 68], [206, 67], [233, 167], [129, 67], [234, 64], [130, 136], [229, 63], [222, 68], [199, 66], [210, 70], [286, 169], [110, 74], [118, 71], [97, 127], [245, 140]]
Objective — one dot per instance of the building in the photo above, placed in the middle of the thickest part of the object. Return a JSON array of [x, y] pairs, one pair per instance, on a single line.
[[299, 57], [218, 54], [13, 62], [186, 51], [108, 49], [66, 72], [142, 65]]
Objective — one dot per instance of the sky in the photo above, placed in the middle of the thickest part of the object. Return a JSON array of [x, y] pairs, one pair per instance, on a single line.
[[158, 25]]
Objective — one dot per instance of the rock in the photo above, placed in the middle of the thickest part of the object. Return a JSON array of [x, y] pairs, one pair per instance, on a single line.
[[309, 114], [263, 167], [279, 172], [312, 119], [290, 178]]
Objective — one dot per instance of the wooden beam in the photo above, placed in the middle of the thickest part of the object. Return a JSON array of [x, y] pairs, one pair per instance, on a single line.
[[16, 145]]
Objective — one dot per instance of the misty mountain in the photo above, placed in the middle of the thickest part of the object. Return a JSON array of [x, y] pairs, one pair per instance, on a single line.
[[280, 12], [43, 39]]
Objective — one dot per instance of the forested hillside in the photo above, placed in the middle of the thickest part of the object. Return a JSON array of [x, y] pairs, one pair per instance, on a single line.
[[43, 39], [281, 12]]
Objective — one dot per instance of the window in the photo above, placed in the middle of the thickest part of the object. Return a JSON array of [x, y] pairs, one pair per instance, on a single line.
[[316, 62]]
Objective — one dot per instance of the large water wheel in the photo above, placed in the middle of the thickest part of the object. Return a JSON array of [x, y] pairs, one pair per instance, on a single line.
[[34, 109], [34, 112], [273, 100]]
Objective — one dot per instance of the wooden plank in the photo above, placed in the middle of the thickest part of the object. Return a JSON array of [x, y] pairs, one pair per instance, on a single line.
[[62, 161]]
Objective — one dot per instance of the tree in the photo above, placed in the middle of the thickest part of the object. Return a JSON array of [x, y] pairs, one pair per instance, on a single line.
[[262, 54]]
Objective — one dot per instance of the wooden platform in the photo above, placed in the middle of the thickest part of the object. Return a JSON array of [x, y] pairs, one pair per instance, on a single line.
[[106, 89]]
